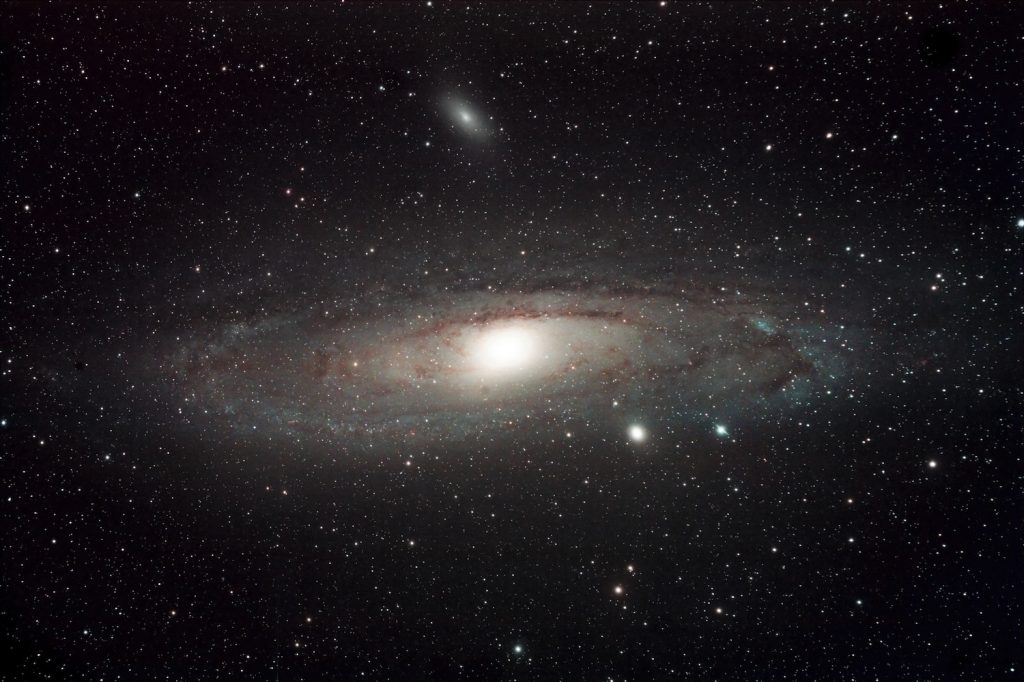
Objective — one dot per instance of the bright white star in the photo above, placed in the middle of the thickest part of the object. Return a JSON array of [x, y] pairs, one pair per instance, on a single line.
[[637, 433]]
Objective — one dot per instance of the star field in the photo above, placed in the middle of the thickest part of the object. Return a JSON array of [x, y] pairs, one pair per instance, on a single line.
[[523, 341]]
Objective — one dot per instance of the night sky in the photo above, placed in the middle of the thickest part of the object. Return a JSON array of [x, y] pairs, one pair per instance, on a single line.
[[514, 341]]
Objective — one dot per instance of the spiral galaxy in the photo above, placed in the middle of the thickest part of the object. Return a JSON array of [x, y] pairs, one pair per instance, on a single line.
[[631, 341], [477, 363]]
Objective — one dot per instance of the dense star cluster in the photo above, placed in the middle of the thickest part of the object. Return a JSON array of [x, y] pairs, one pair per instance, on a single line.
[[526, 341]]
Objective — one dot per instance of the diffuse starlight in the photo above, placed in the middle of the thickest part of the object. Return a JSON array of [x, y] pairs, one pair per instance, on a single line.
[[472, 363]]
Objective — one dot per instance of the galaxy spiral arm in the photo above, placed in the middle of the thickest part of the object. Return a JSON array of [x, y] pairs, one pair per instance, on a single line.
[[427, 365]]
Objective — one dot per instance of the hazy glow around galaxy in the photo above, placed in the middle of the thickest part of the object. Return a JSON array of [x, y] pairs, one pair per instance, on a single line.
[[467, 120], [474, 362]]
